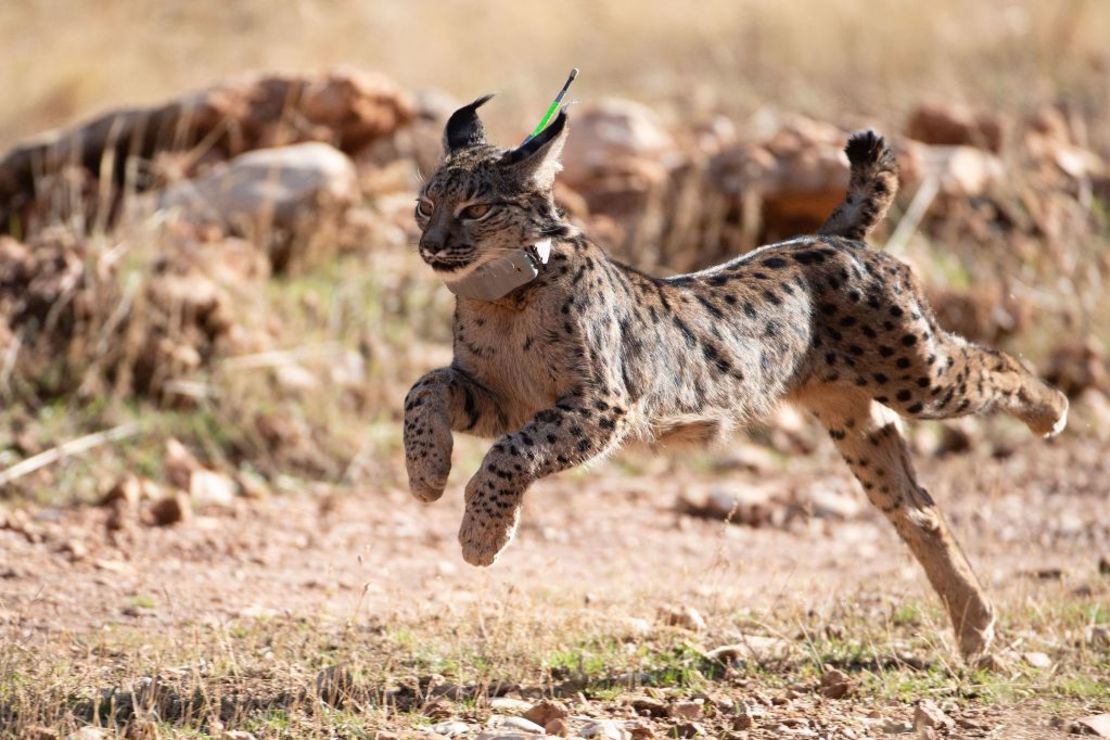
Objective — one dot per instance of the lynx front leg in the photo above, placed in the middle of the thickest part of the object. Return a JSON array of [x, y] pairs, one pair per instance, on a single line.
[[443, 400], [573, 431], [868, 437]]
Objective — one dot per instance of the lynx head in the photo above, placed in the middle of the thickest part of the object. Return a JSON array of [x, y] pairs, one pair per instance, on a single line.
[[484, 201]]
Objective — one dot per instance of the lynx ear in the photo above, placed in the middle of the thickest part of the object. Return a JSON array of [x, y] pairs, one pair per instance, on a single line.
[[464, 128], [537, 159]]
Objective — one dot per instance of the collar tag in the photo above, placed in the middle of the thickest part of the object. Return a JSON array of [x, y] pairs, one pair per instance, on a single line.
[[499, 277]]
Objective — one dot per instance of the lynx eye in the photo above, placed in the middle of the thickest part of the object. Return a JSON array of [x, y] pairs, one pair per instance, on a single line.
[[424, 208], [475, 212]]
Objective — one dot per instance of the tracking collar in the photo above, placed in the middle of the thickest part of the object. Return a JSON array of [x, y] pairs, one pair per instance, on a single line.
[[497, 278]]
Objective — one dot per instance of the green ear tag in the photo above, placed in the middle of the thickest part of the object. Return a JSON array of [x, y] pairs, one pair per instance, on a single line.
[[552, 108]]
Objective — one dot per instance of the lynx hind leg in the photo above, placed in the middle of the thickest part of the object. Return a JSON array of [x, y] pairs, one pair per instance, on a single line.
[[885, 339], [868, 437]]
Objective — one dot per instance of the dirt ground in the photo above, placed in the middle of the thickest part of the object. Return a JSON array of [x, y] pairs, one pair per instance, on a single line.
[[611, 544]]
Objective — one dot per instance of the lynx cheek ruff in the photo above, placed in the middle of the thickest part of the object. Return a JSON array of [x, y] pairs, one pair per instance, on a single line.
[[499, 277]]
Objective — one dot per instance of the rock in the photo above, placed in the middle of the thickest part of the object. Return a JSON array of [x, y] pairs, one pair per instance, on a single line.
[[515, 723], [1104, 565], [557, 726], [685, 710], [689, 729], [509, 705], [753, 506], [210, 487], [451, 728], [896, 727], [173, 509], [545, 711], [179, 464], [1096, 724], [645, 706], [960, 171], [1037, 660], [605, 730], [1098, 636], [609, 131], [126, 490], [294, 378], [635, 627], [826, 503], [928, 714], [283, 188], [953, 125], [74, 550], [757, 647], [835, 684], [90, 733], [239, 735], [684, 616]]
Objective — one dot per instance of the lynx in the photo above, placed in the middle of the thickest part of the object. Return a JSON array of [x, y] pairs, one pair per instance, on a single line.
[[582, 353]]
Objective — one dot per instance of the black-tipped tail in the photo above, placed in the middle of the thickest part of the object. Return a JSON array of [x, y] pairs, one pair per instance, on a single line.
[[871, 190]]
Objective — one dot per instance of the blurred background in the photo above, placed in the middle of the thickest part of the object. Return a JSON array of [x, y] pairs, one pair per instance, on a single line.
[[211, 308]]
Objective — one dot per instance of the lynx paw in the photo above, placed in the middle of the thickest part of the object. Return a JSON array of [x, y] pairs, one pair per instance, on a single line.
[[1052, 418], [427, 459], [489, 522]]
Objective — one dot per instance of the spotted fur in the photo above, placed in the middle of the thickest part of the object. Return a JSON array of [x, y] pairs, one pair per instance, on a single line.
[[594, 353]]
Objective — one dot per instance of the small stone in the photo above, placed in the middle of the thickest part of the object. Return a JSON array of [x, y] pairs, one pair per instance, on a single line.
[[74, 550], [835, 684], [509, 705], [127, 490], [172, 509], [451, 728], [684, 616], [1096, 724], [689, 710], [749, 646], [1037, 660], [89, 733], [606, 730], [210, 487], [1104, 565], [519, 724], [928, 714], [895, 727], [544, 712], [640, 730], [689, 729], [647, 707], [179, 464], [557, 726], [1098, 635]]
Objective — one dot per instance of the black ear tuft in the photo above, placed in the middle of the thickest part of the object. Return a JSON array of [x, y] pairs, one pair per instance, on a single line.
[[464, 128], [540, 140]]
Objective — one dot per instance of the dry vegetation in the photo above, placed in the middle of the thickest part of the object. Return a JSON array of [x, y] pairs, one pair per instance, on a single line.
[[255, 374]]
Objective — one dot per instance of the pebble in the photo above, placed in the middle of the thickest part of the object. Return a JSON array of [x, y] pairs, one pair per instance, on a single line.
[[1037, 660], [172, 509], [684, 616], [928, 714], [1096, 724], [544, 712], [835, 684]]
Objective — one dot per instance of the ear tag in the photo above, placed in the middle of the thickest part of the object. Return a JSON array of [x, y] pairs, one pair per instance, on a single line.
[[543, 249]]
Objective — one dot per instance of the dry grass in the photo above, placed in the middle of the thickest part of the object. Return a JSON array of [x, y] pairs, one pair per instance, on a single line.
[[311, 676], [843, 61]]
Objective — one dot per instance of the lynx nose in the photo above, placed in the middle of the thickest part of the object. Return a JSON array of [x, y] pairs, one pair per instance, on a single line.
[[433, 240]]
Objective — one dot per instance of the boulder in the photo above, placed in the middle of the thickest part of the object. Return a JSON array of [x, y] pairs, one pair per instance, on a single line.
[[267, 188]]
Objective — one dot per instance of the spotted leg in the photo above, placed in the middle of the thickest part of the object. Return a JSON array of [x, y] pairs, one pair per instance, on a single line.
[[575, 430], [868, 437], [443, 400]]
